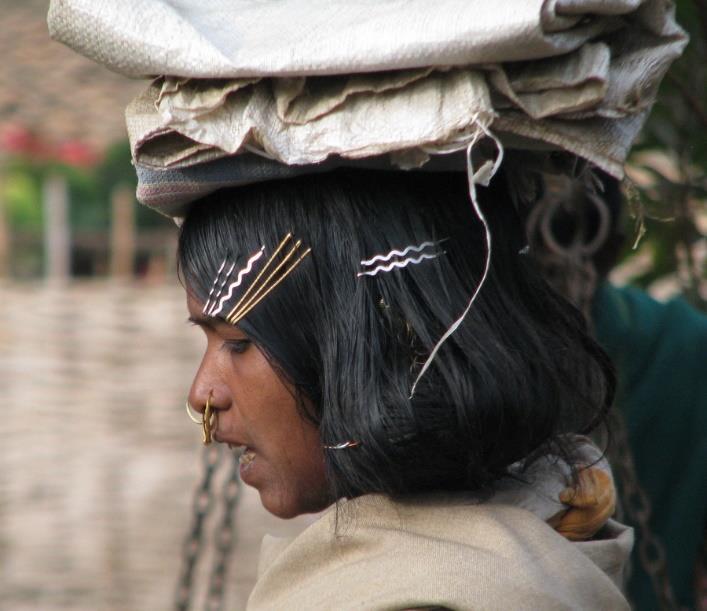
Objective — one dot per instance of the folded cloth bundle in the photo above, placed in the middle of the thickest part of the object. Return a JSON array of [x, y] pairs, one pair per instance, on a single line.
[[246, 91]]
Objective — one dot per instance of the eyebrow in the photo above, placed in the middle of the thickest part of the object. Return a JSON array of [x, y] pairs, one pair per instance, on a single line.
[[206, 321], [216, 324]]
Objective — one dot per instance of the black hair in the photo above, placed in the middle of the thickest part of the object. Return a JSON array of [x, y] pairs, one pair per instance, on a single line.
[[519, 374]]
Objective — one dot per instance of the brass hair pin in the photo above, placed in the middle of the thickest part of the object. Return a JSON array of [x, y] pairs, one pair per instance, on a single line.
[[259, 289], [280, 264]]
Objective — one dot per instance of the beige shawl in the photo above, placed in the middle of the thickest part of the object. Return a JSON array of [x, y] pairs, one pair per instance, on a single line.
[[379, 554]]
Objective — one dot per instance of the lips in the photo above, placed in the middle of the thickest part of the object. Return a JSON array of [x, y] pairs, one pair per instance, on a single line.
[[244, 454], [231, 442]]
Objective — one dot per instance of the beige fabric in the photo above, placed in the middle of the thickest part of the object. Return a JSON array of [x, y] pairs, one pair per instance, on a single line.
[[466, 551], [355, 78], [538, 488], [439, 552], [365, 125], [237, 38]]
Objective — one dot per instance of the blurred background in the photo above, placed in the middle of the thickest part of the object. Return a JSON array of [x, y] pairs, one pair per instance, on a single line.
[[98, 462]]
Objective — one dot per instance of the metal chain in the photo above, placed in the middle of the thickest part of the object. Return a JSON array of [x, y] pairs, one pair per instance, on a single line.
[[638, 508], [224, 538], [567, 264], [193, 544], [203, 505]]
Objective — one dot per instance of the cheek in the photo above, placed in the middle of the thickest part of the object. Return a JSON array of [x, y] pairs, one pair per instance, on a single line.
[[289, 470], [264, 402], [294, 455], [301, 488]]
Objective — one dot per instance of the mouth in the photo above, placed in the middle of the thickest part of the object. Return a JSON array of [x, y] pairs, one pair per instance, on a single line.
[[247, 457], [244, 454]]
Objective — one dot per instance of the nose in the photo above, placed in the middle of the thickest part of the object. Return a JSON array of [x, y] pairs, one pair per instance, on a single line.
[[207, 384], [209, 420], [214, 396], [209, 396]]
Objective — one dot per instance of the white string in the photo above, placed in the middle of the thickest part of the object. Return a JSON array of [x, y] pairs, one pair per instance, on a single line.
[[472, 178]]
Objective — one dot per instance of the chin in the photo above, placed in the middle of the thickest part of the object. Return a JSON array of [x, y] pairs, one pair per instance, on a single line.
[[287, 508], [284, 509]]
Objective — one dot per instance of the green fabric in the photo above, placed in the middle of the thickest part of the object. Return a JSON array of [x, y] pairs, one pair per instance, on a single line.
[[660, 352]]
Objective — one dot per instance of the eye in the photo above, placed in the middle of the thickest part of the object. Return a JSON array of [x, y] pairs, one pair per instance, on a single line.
[[236, 346]]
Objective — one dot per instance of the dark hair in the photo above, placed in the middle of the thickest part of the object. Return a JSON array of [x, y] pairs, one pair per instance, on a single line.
[[517, 375]]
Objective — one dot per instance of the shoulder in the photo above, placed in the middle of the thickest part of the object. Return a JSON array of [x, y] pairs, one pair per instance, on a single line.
[[374, 553]]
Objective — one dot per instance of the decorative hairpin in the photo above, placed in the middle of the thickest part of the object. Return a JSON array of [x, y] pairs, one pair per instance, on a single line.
[[344, 445], [397, 259], [273, 271], [217, 306]]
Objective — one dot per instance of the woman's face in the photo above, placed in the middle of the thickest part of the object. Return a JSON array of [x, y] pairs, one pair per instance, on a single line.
[[256, 410]]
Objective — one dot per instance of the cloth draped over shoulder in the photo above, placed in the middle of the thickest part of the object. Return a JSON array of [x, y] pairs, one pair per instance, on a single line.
[[430, 553], [464, 551], [246, 91]]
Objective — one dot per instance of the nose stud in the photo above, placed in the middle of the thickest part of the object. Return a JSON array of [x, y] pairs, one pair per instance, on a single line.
[[207, 421]]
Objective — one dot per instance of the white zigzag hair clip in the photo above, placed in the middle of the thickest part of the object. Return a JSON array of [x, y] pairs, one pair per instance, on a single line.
[[214, 308], [397, 259], [280, 264]]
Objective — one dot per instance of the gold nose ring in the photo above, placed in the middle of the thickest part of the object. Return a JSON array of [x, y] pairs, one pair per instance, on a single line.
[[207, 421], [190, 409]]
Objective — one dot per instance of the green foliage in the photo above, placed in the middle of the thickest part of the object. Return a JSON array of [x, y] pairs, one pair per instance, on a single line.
[[22, 197], [90, 191], [117, 170]]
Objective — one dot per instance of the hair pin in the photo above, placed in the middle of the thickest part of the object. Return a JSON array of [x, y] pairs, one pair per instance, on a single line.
[[345, 445], [397, 258], [242, 273], [214, 284], [260, 287]]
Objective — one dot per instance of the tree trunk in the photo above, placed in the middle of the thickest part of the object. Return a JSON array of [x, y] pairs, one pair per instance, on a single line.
[[122, 254]]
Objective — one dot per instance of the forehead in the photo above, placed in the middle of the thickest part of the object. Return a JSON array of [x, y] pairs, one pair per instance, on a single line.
[[196, 315], [194, 305]]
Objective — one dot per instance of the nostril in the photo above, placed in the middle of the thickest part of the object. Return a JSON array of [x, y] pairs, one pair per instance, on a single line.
[[208, 420], [218, 400], [197, 400]]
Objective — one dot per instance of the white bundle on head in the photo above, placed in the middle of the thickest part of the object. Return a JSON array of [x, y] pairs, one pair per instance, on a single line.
[[251, 91], [245, 87]]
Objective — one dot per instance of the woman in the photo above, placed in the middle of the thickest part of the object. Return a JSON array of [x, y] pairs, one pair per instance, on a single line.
[[312, 385], [369, 346]]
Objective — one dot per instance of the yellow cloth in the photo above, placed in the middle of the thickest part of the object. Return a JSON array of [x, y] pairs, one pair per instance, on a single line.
[[591, 503], [439, 551]]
